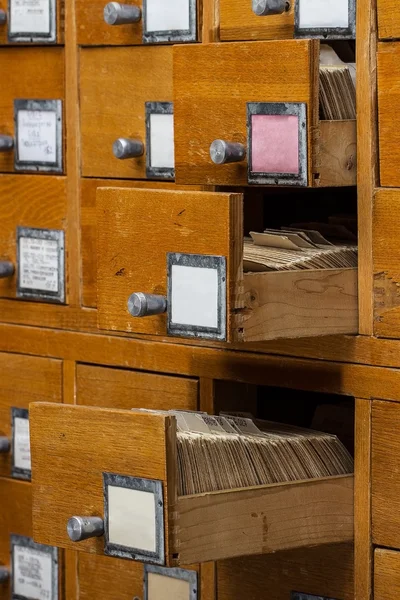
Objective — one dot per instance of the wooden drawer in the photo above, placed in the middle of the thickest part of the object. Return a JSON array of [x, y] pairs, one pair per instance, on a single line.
[[118, 388], [175, 22], [389, 119], [17, 27], [195, 528], [24, 379], [114, 579], [388, 19], [386, 574], [34, 206], [277, 83], [32, 74], [385, 466], [19, 554], [88, 189], [323, 573], [238, 21], [138, 230], [110, 114]]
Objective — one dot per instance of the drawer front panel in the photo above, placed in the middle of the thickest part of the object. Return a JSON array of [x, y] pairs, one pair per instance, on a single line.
[[388, 115], [385, 465], [238, 21], [117, 388], [32, 74], [25, 379], [31, 202], [217, 107], [136, 230], [388, 19], [386, 574], [113, 101], [49, 28]]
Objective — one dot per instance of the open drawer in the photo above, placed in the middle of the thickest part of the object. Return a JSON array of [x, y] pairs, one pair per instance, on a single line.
[[111, 476], [178, 257]]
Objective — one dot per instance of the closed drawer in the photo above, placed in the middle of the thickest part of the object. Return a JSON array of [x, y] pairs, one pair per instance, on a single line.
[[32, 569], [388, 116], [117, 101], [118, 388], [19, 24], [112, 579], [25, 379], [386, 574], [31, 109], [273, 97], [140, 231], [32, 238], [137, 465], [385, 465], [138, 22], [388, 19]]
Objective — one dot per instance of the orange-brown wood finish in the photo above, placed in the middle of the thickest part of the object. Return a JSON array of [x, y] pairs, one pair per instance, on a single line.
[[60, 26], [388, 19], [239, 22], [387, 574]]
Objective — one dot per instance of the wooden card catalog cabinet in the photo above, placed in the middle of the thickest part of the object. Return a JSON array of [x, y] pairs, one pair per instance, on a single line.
[[24, 22], [135, 111], [137, 22], [258, 125], [31, 110], [111, 499], [171, 262]]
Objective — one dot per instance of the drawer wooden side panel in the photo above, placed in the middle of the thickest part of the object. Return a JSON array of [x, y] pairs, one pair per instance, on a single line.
[[108, 578], [385, 467], [239, 22], [388, 114], [28, 201], [116, 388], [386, 574]]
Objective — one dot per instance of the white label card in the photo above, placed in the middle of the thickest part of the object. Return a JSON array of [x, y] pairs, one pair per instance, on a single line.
[[38, 264], [323, 13], [37, 136], [162, 141], [30, 17], [173, 15], [22, 448], [131, 518], [33, 573], [194, 298]]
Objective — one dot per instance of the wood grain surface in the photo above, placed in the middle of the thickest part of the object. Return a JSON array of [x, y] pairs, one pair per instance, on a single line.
[[388, 19], [239, 22], [386, 574], [335, 154]]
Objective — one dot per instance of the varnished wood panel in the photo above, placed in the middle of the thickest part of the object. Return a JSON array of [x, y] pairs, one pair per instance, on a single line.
[[29, 73], [28, 201], [88, 189], [136, 229], [388, 19], [108, 578], [25, 379], [385, 466], [387, 574], [324, 572], [239, 22], [335, 154], [386, 257], [60, 24], [118, 388], [213, 105], [389, 116], [112, 100]]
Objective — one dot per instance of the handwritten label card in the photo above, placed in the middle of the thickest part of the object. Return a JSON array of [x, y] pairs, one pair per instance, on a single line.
[[32, 20], [39, 132], [21, 448], [35, 570], [41, 264]]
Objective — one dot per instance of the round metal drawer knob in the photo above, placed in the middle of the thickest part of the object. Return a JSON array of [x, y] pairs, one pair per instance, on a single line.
[[121, 14], [146, 305], [4, 574], [263, 8], [6, 143], [3, 17], [7, 269], [126, 148], [83, 528], [4, 445], [222, 152]]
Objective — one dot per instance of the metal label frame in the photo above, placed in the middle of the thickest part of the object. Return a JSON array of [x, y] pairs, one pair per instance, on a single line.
[[297, 109], [301, 596], [326, 33], [38, 38], [175, 35], [27, 542], [204, 262], [17, 472], [54, 106], [143, 485], [156, 108], [40, 295], [190, 576]]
